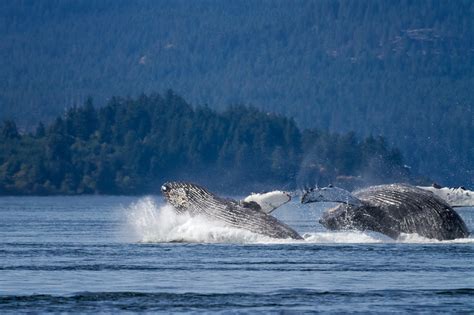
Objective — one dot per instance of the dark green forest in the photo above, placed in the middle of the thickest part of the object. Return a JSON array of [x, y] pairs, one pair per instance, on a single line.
[[133, 145], [403, 70]]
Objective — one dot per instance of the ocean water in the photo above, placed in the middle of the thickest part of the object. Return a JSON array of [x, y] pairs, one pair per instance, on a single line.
[[130, 254]]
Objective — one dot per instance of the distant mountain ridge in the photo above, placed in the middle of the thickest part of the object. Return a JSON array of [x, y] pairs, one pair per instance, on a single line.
[[401, 69]]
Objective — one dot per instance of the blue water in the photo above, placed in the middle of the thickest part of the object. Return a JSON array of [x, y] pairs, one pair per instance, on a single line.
[[129, 254]]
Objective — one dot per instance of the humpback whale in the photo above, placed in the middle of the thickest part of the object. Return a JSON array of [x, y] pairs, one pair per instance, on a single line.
[[248, 215], [390, 210]]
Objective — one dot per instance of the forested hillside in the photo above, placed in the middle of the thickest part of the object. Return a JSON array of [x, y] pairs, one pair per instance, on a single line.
[[131, 146], [400, 69]]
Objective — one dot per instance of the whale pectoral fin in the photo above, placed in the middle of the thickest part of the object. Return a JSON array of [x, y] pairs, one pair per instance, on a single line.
[[268, 202], [330, 194]]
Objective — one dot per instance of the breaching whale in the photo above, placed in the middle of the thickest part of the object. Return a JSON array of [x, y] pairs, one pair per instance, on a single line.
[[247, 214], [391, 210]]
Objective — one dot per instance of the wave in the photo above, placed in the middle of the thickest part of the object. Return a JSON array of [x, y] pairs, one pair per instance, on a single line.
[[293, 300], [149, 222], [113, 295]]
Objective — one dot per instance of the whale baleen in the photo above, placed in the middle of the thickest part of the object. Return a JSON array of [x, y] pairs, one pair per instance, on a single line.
[[391, 210], [248, 215]]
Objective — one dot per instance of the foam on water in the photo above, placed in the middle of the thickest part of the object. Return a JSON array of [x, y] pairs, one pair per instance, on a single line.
[[150, 222], [345, 237], [418, 239]]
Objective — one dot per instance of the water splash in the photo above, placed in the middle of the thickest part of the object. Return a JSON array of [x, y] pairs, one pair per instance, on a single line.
[[418, 239], [346, 237], [151, 222]]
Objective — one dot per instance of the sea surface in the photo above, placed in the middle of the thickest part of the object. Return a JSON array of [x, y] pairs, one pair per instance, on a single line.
[[131, 254]]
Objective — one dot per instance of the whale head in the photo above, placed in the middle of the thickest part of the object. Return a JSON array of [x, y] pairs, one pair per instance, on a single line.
[[187, 197], [177, 194]]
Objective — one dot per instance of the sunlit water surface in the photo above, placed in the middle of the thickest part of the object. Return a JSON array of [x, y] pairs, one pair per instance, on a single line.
[[109, 254]]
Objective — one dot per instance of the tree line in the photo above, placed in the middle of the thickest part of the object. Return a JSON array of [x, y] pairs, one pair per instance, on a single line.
[[132, 145], [401, 69]]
